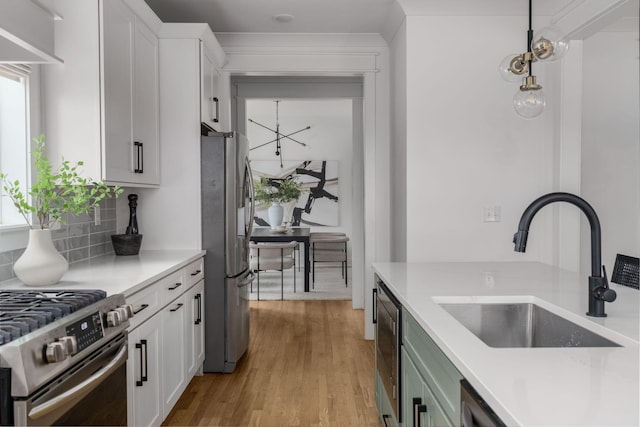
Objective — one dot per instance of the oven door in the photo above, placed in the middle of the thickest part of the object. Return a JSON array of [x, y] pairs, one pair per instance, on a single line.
[[92, 392]]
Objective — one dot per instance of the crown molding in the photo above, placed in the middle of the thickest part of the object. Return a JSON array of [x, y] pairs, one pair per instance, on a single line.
[[231, 41]]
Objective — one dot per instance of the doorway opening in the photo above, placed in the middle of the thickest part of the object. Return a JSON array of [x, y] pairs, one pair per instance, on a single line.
[[332, 110]]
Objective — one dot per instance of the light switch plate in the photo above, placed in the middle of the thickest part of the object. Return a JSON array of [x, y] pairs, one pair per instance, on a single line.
[[493, 213]]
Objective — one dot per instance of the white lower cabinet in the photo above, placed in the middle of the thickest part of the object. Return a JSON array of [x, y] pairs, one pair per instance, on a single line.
[[194, 329], [174, 353], [166, 346], [144, 374]]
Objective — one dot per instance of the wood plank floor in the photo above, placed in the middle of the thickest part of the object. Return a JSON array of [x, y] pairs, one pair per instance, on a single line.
[[307, 365]]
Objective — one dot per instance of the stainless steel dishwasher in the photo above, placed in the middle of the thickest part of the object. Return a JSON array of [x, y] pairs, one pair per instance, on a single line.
[[474, 411], [388, 340]]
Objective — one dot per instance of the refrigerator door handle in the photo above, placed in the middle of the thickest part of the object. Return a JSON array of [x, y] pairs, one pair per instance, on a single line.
[[249, 230], [247, 280]]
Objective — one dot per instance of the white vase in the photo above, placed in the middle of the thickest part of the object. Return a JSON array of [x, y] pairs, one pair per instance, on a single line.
[[41, 264], [276, 213]]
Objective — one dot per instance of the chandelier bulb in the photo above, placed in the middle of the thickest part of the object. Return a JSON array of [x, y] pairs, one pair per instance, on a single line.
[[549, 44], [529, 101], [513, 67]]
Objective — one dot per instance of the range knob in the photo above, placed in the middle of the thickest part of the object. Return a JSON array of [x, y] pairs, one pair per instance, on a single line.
[[56, 352], [70, 343], [128, 308], [113, 318], [124, 311]]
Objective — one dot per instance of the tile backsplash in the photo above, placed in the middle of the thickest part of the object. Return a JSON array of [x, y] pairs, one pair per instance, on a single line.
[[77, 240]]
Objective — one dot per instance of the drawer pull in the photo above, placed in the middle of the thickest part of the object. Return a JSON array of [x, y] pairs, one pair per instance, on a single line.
[[142, 307], [196, 272], [177, 307], [385, 417], [177, 285]]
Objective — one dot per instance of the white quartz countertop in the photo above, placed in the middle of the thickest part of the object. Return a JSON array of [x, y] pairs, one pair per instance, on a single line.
[[530, 386], [119, 274]]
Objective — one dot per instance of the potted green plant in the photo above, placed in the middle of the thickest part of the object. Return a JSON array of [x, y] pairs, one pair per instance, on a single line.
[[54, 193], [276, 192]]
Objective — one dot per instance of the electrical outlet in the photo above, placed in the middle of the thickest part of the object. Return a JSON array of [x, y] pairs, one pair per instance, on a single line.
[[96, 216], [493, 213], [489, 279]]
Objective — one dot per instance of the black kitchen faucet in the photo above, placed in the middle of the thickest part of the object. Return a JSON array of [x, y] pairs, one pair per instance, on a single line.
[[599, 291]]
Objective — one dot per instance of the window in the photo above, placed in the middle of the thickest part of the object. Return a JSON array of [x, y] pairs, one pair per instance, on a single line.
[[14, 134]]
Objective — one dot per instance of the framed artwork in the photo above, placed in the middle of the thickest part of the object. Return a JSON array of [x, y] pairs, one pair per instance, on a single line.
[[319, 203]]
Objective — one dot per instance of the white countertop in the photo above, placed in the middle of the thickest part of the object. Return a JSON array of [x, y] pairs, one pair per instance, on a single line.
[[531, 386], [118, 274]]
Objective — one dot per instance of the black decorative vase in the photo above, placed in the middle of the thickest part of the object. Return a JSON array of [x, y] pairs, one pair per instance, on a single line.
[[129, 243]]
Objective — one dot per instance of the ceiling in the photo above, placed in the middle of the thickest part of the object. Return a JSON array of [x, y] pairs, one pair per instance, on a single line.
[[332, 16]]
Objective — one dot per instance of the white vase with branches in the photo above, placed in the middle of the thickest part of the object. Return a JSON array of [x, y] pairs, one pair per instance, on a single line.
[[53, 194]]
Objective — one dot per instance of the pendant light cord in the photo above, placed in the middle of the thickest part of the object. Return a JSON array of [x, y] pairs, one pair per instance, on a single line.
[[530, 35]]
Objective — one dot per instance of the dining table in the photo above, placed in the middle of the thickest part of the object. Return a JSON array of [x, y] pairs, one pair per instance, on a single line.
[[298, 234]]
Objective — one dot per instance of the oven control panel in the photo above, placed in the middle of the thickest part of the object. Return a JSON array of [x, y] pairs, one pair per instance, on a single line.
[[86, 331]]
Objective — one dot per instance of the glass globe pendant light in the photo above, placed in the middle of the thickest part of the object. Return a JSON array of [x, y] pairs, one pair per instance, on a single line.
[[549, 44], [529, 101]]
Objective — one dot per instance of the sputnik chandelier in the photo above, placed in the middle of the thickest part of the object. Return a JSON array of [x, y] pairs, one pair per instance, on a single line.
[[278, 135], [549, 44]]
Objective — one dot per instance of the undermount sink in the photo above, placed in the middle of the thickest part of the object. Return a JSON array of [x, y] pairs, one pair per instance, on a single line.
[[509, 325]]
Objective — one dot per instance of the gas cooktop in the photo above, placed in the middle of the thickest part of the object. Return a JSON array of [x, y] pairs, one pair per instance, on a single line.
[[23, 311]]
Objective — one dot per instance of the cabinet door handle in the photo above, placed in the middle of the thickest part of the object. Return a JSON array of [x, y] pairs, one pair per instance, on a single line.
[[177, 285], [142, 307], [216, 107], [141, 158], [195, 273], [385, 417], [374, 315], [176, 308], [138, 167], [199, 309], [418, 408], [142, 346]]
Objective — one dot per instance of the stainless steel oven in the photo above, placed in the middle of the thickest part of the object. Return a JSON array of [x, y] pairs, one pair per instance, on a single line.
[[388, 340], [71, 370]]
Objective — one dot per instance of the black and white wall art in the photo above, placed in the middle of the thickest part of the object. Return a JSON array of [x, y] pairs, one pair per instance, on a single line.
[[319, 203]]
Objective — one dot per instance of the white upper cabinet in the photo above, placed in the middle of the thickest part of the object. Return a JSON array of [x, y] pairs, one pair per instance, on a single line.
[[214, 101], [209, 102], [214, 83], [102, 105]]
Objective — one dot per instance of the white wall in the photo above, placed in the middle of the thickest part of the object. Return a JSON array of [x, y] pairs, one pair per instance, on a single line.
[[398, 51], [466, 148], [330, 138], [611, 144]]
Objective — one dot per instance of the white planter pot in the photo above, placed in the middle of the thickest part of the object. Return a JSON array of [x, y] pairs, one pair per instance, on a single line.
[[276, 213], [41, 264]]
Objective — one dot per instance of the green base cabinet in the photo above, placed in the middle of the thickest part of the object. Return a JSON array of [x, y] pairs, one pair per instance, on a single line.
[[420, 408], [440, 377]]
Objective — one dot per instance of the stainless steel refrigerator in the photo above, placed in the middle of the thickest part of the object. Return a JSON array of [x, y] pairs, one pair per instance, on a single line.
[[227, 213]]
